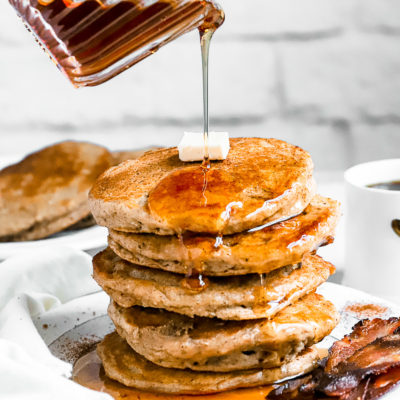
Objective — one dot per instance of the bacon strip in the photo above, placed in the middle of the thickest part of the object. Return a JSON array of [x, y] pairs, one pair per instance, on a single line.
[[383, 383], [374, 359], [375, 356], [360, 392], [364, 332], [362, 366]]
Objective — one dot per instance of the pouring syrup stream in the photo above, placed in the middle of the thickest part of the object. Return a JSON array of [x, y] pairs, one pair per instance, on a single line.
[[194, 280], [205, 40]]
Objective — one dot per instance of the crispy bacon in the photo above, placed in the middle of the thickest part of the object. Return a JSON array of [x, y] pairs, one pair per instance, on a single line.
[[376, 356], [364, 332], [362, 366], [383, 383], [360, 392], [374, 359]]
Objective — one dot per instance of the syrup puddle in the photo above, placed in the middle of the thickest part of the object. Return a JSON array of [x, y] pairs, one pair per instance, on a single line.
[[89, 372]]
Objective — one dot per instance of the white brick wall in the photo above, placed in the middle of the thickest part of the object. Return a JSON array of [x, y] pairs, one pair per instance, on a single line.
[[285, 19], [380, 16], [324, 74], [347, 77]]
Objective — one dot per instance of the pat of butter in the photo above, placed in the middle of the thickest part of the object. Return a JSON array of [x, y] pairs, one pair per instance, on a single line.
[[191, 146]]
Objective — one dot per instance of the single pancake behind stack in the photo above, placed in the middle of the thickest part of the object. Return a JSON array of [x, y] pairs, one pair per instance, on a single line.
[[257, 317], [47, 191]]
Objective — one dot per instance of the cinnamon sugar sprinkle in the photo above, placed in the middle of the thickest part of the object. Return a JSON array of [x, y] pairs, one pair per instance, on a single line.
[[366, 310], [73, 350]]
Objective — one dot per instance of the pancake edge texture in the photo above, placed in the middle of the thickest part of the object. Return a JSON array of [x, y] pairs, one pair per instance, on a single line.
[[122, 364], [176, 341], [261, 251], [229, 298]]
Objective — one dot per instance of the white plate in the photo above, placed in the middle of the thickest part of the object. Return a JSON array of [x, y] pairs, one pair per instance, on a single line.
[[96, 323], [82, 239]]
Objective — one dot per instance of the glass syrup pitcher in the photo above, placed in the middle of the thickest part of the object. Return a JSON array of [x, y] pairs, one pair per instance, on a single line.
[[92, 41]]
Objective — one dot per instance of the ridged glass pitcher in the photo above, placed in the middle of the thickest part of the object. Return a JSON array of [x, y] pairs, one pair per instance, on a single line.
[[91, 41]]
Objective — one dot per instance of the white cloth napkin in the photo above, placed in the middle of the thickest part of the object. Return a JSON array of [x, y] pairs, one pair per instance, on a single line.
[[33, 283]]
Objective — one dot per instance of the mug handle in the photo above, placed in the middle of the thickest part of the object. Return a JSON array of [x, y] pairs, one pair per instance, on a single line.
[[396, 226]]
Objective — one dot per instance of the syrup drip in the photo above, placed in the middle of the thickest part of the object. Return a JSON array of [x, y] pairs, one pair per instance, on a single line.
[[261, 302], [195, 255], [205, 167], [194, 281], [88, 372], [259, 292]]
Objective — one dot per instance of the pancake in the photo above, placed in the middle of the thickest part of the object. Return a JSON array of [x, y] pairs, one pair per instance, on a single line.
[[260, 251], [47, 191], [176, 341], [261, 181], [122, 364], [233, 298]]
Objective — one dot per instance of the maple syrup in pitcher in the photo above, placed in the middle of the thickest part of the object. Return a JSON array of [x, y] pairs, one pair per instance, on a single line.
[[91, 41]]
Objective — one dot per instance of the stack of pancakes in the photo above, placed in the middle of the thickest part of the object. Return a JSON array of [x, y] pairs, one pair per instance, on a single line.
[[212, 273]]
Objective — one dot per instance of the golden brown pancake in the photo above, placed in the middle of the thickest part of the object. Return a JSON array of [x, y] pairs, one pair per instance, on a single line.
[[233, 298], [261, 181], [260, 251], [47, 191], [122, 364], [176, 341]]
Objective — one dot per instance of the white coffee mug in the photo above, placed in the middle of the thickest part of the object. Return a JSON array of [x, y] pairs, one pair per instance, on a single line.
[[372, 252]]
